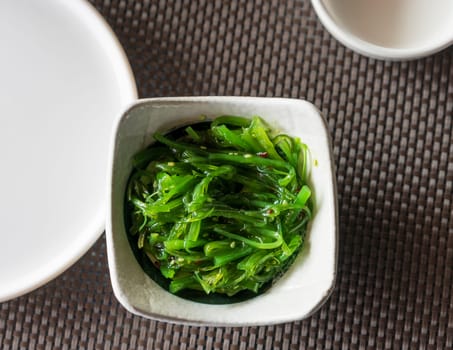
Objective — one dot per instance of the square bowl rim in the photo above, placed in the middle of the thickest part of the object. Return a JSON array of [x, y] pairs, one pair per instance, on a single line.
[[110, 241]]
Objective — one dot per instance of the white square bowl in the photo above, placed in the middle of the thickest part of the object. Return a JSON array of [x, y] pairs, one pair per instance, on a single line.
[[309, 281]]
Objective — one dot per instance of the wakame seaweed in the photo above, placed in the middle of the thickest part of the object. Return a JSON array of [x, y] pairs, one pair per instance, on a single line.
[[219, 208]]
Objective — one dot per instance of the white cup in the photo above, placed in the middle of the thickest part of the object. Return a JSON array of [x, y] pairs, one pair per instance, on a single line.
[[389, 29]]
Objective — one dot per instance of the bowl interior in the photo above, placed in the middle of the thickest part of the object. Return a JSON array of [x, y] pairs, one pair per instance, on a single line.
[[310, 279]]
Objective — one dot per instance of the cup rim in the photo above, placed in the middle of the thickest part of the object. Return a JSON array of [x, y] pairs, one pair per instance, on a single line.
[[369, 49]]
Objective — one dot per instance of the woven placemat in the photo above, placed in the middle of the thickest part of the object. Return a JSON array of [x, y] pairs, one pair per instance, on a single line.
[[391, 125]]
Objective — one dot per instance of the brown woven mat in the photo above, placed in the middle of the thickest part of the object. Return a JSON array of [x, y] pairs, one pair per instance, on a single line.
[[391, 125]]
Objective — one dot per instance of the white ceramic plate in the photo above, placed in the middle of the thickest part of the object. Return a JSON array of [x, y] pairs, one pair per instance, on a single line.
[[309, 281], [64, 79]]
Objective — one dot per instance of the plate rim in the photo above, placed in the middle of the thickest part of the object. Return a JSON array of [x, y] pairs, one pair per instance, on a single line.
[[93, 21]]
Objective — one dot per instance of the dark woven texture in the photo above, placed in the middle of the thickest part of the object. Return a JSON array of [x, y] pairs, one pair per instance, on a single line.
[[391, 125]]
